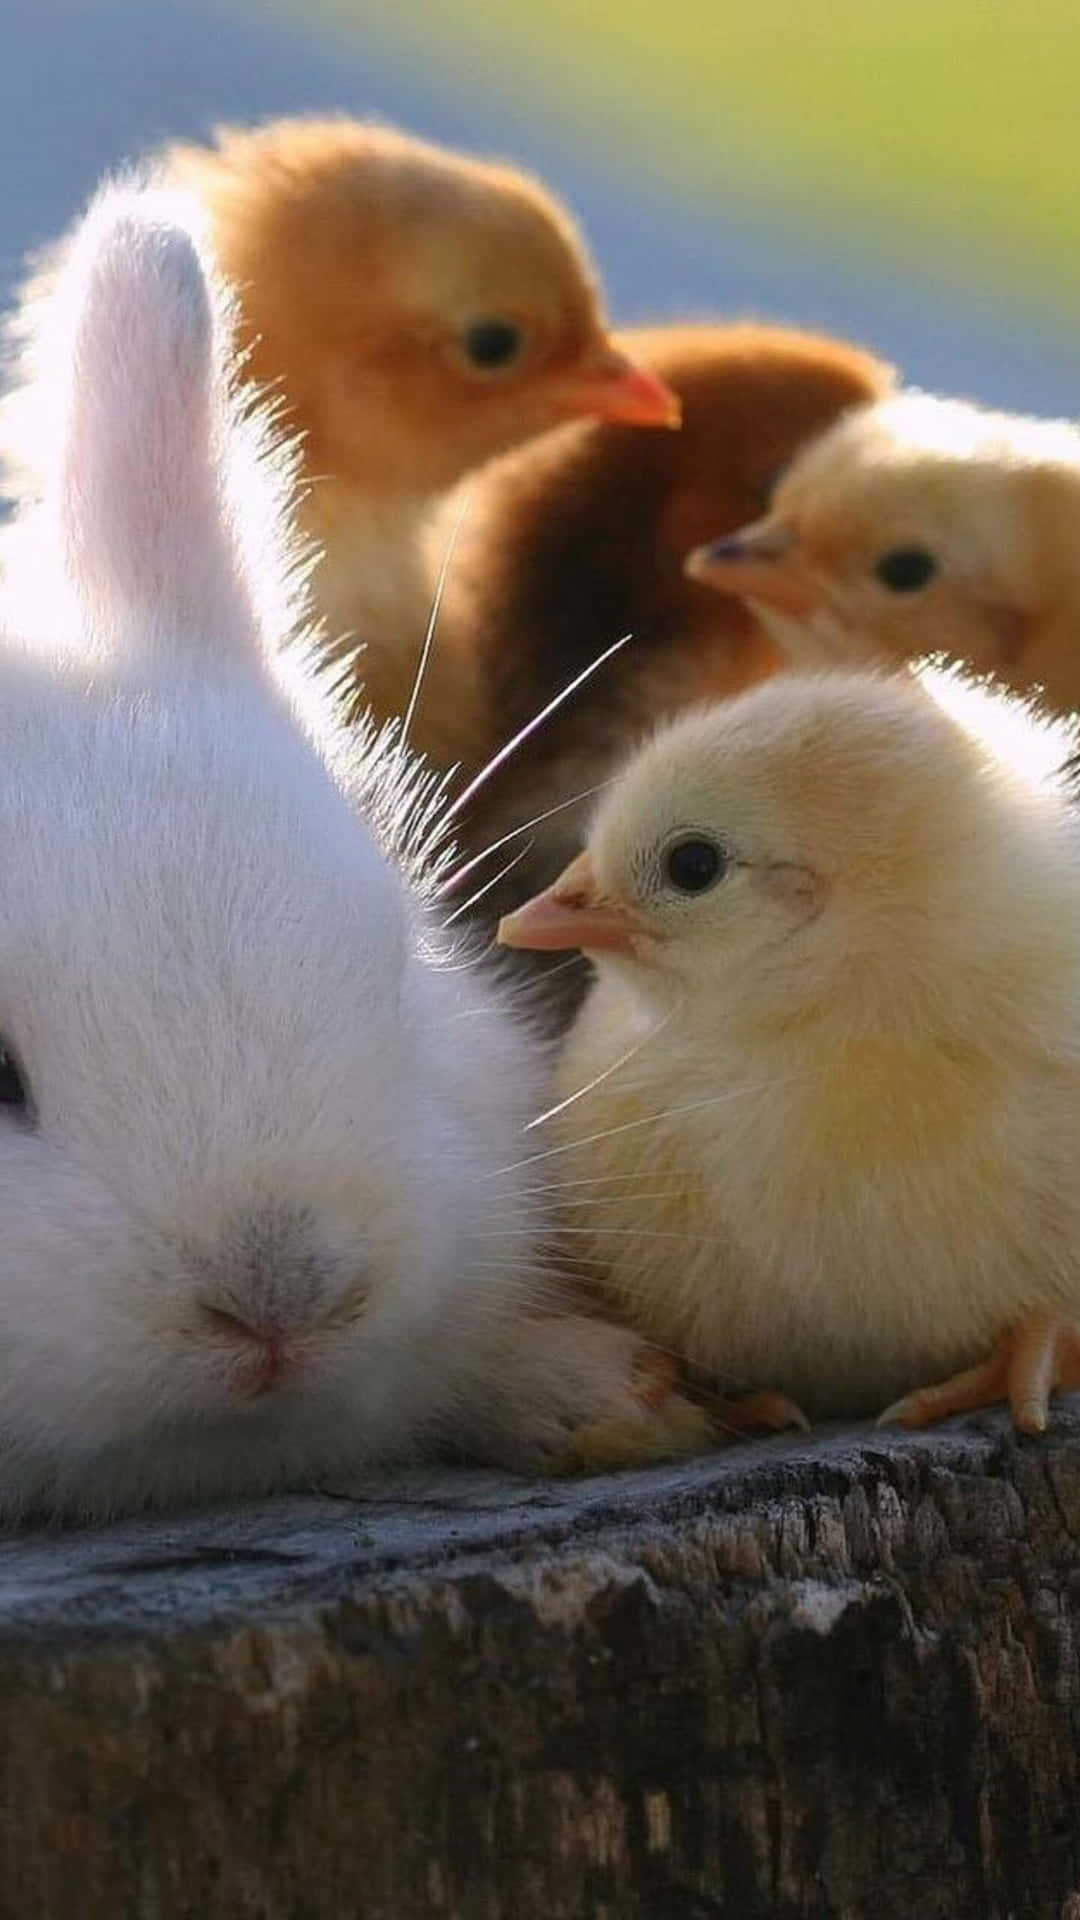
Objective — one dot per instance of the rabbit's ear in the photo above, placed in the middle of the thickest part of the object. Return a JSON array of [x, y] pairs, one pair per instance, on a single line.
[[137, 479]]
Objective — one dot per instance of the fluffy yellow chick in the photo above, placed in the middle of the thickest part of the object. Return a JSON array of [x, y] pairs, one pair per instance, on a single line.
[[418, 311], [822, 1104], [916, 526]]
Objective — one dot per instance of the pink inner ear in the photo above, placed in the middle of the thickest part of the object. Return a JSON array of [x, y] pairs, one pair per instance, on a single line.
[[800, 891], [132, 344]]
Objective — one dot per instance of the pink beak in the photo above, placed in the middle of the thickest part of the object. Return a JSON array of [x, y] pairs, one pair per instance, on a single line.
[[571, 913], [611, 386], [760, 562]]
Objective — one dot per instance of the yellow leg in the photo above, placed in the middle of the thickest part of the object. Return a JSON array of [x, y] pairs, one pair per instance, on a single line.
[[1039, 1354]]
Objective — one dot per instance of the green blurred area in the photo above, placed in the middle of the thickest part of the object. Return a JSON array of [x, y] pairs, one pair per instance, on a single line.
[[950, 121]]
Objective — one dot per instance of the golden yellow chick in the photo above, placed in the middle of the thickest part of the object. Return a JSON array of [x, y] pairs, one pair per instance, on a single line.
[[821, 1107], [920, 525], [418, 311]]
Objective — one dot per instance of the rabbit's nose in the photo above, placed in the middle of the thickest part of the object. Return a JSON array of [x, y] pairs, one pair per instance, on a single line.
[[258, 1353], [270, 1280], [263, 1348]]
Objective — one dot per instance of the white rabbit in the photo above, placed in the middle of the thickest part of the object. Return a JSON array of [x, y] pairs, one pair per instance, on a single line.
[[256, 1223]]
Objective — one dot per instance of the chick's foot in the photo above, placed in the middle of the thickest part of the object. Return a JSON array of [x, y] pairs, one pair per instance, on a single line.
[[1033, 1358], [657, 1422], [570, 1393], [757, 1413]]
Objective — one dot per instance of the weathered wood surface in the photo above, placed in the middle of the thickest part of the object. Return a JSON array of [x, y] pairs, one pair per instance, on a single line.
[[836, 1679]]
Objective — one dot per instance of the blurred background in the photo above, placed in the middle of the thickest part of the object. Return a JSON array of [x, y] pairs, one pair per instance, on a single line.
[[906, 175]]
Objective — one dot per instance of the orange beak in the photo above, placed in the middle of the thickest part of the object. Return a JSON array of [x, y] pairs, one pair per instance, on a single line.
[[611, 386], [760, 562], [572, 913]]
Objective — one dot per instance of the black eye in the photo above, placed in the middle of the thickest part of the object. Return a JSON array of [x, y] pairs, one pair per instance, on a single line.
[[905, 569], [493, 343], [12, 1085], [693, 864]]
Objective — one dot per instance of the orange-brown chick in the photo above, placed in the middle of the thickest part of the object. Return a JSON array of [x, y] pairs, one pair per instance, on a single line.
[[581, 537], [419, 311], [916, 526]]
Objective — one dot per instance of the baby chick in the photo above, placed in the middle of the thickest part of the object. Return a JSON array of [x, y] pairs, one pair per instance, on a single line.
[[922, 526], [819, 1114], [580, 538], [419, 311]]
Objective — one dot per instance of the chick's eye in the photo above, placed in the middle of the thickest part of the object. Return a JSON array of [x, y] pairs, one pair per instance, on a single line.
[[492, 344], [693, 864], [13, 1092], [905, 569]]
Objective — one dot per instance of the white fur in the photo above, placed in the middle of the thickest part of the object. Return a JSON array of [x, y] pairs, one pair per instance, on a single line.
[[257, 1086]]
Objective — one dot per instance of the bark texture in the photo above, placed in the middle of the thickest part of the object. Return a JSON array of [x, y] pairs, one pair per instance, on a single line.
[[831, 1680]]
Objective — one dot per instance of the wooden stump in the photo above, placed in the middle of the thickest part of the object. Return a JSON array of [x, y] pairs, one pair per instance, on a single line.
[[836, 1679]]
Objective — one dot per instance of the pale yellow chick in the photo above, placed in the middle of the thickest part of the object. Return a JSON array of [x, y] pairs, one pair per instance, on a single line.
[[917, 526], [828, 1136]]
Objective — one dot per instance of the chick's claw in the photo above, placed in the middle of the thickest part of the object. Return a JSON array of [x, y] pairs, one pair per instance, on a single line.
[[758, 1413], [665, 1422], [1039, 1354], [651, 1420], [582, 1393], [638, 1438], [654, 1375]]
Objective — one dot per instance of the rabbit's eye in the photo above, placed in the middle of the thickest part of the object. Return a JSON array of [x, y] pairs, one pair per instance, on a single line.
[[12, 1085]]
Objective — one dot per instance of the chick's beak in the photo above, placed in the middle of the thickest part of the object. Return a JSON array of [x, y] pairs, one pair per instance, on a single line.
[[572, 913], [611, 386], [760, 562]]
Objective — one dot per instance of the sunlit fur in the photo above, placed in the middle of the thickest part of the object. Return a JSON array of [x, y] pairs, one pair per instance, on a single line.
[[360, 256], [993, 497], [850, 1112], [580, 537], [262, 1092]]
